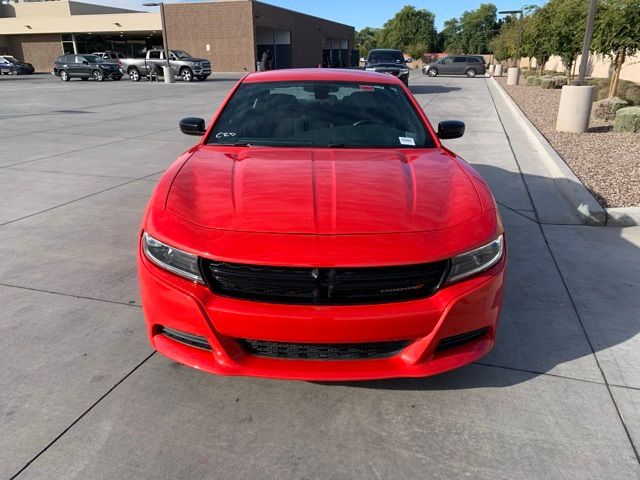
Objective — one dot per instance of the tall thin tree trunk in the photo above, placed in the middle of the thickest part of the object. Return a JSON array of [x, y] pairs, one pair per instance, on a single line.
[[615, 78]]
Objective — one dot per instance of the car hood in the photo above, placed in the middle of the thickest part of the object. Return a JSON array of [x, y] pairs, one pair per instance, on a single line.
[[386, 65], [322, 191]]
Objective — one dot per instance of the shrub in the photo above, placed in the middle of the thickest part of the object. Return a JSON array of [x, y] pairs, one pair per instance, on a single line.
[[559, 81], [547, 82], [533, 80], [627, 120], [607, 108], [632, 95]]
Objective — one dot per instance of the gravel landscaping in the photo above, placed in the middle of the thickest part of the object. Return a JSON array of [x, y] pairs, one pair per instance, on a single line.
[[607, 162]]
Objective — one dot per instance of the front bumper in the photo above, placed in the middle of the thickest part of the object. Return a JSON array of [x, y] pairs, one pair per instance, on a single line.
[[184, 306]]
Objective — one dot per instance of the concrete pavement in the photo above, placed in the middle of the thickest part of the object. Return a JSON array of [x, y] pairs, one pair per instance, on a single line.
[[83, 396]]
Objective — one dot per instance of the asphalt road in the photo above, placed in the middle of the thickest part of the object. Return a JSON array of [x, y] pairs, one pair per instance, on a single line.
[[83, 396]]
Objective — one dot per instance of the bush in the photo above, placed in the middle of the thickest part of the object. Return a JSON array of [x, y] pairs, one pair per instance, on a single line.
[[607, 108], [547, 82], [559, 81], [627, 120], [533, 80], [632, 95]]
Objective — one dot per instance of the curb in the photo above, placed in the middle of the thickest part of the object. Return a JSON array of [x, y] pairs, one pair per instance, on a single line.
[[587, 207]]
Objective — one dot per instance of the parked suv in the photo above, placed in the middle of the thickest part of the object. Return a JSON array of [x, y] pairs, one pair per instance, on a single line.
[[469, 65], [392, 62], [86, 66], [12, 66]]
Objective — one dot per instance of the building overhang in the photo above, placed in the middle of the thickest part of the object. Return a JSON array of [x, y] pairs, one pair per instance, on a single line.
[[123, 22]]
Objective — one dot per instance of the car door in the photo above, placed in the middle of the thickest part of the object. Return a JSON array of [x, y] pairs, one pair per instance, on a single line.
[[4, 65], [445, 66], [82, 66], [459, 65]]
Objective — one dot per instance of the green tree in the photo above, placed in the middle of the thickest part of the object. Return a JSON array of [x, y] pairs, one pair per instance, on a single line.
[[537, 37], [477, 28], [409, 26], [449, 37], [367, 39], [503, 45], [617, 34], [568, 19]]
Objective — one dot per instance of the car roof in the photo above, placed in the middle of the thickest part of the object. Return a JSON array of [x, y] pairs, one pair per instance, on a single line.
[[320, 74]]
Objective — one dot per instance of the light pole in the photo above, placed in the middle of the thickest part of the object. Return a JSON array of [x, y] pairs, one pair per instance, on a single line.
[[164, 29], [586, 45], [514, 12], [576, 100]]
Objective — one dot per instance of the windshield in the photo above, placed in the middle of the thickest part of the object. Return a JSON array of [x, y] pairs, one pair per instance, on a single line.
[[10, 59], [386, 57], [320, 114], [180, 54], [94, 59]]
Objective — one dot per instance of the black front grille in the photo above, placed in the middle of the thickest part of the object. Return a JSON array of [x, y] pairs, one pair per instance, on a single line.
[[323, 286], [323, 351], [461, 339]]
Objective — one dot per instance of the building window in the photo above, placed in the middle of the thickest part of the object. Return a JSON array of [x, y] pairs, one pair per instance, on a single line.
[[335, 53], [68, 43], [276, 44]]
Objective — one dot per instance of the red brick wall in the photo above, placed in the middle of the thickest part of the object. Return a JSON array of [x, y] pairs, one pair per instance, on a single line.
[[226, 26], [307, 32], [40, 50]]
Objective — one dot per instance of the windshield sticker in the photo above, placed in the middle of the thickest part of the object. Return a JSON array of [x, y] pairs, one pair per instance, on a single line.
[[407, 141], [225, 134], [366, 88]]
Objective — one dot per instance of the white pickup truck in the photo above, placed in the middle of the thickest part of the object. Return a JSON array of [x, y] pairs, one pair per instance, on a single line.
[[182, 64]]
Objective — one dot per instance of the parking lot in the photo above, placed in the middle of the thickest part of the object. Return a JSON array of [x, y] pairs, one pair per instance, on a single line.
[[83, 395]]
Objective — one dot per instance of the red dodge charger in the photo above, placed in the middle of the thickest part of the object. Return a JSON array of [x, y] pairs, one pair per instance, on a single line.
[[320, 231]]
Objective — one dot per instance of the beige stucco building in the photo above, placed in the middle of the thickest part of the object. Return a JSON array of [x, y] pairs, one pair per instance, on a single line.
[[232, 34]]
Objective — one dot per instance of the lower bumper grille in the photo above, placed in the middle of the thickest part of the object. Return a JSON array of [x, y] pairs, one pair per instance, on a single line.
[[461, 339], [324, 351], [186, 338]]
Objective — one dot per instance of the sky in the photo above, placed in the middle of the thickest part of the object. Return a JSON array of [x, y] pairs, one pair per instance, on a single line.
[[361, 13]]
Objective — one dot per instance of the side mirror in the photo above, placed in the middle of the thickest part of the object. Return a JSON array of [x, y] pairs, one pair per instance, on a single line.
[[450, 129], [84, 62], [192, 126]]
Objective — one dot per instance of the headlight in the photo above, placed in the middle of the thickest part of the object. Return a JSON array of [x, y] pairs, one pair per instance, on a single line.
[[475, 261], [170, 258], [370, 69]]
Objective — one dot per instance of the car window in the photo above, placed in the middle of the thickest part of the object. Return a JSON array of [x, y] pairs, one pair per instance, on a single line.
[[474, 60], [460, 60], [180, 54], [382, 56], [94, 59], [447, 60], [155, 55], [320, 114], [79, 59]]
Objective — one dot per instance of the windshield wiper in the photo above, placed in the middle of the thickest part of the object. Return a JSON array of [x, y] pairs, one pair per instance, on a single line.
[[235, 144]]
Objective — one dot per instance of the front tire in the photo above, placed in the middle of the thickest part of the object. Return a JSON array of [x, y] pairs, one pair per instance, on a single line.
[[64, 76], [471, 72], [134, 74], [97, 75], [187, 74], [13, 71], [432, 72]]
